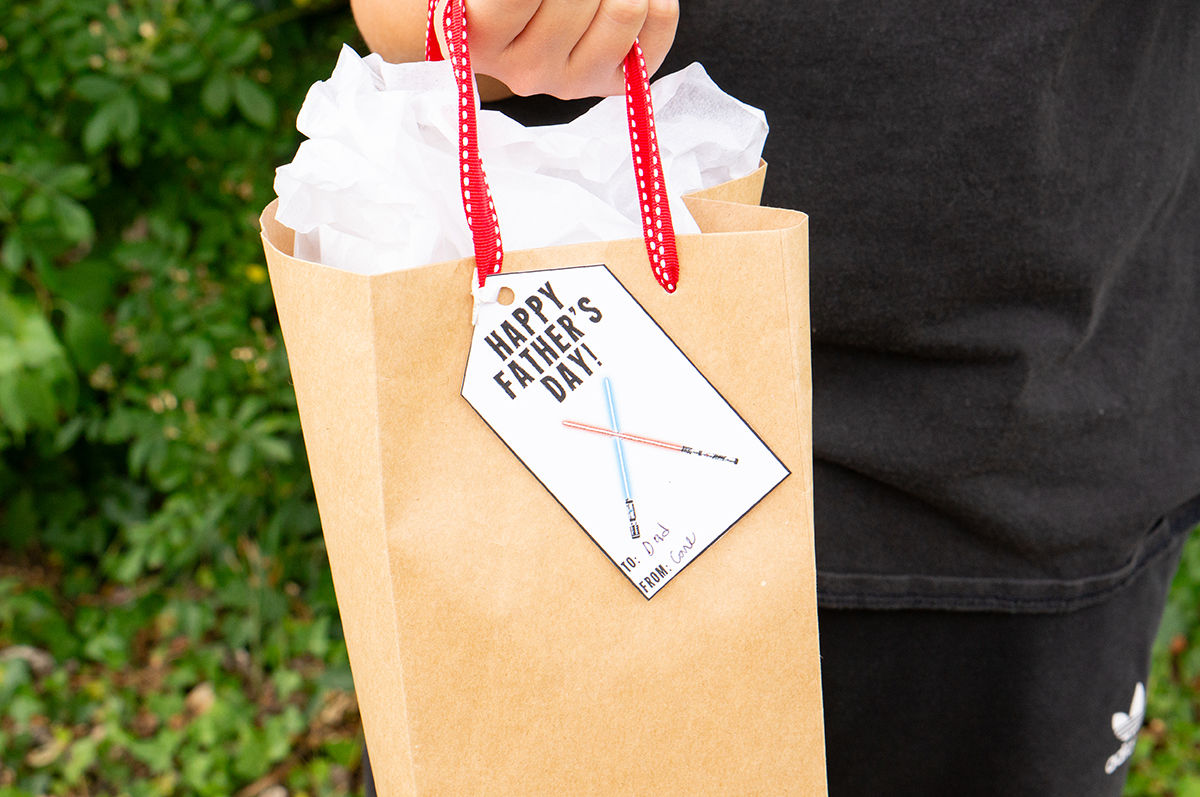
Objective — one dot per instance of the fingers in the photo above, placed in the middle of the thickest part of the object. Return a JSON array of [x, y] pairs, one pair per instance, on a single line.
[[493, 24], [594, 64], [597, 62], [568, 48], [658, 33], [538, 60]]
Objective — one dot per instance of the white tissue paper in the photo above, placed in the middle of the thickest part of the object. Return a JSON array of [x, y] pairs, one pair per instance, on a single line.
[[375, 188]]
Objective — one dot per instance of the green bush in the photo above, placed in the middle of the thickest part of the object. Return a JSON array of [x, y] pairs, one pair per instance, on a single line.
[[1166, 762], [166, 612]]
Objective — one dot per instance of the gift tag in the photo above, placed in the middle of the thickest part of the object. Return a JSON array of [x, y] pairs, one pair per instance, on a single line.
[[613, 419]]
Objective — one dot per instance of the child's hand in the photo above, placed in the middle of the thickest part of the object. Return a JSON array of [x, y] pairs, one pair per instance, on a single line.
[[568, 48]]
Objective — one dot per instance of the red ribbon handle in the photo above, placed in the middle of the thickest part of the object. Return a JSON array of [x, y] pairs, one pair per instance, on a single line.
[[480, 209]]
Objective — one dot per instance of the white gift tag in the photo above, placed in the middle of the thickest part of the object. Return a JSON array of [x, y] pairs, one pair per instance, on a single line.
[[611, 416]]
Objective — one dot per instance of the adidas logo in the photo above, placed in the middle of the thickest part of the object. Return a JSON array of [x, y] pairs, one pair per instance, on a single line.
[[1125, 727]]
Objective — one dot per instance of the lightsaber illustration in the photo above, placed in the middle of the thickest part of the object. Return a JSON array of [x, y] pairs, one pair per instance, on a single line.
[[650, 441], [616, 435]]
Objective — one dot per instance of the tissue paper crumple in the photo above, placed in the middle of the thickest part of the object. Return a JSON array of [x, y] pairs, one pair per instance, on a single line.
[[375, 188]]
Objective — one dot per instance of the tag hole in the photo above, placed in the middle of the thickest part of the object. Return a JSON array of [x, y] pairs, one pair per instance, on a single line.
[[506, 296]]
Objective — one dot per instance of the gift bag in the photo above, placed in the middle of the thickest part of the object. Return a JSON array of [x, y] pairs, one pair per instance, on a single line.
[[501, 643]]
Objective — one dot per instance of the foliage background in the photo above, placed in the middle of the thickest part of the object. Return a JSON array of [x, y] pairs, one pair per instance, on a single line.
[[167, 619]]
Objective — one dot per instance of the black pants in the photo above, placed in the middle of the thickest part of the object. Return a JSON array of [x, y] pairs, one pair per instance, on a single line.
[[934, 703], [946, 704]]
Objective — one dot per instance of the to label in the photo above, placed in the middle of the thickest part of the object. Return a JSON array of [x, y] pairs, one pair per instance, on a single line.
[[614, 420]]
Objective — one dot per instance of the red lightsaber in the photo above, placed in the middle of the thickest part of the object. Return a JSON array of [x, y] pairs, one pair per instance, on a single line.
[[650, 441]]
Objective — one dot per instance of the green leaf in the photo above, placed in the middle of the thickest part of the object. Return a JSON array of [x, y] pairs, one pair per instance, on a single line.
[[280, 730], [158, 751], [1189, 786], [1190, 665], [318, 638], [117, 117], [37, 207], [74, 222], [274, 449], [89, 285], [1174, 622], [246, 49], [74, 179], [346, 752], [69, 433], [37, 399], [254, 102], [129, 154], [239, 459], [21, 524], [248, 409], [286, 681], [240, 12], [87, 338], [189, 381], [97, 88], [196, 767], [81, 758], [130, 565], [37, 344], [184, 62], [125, 116], [120, 427], [10, 94], [47, 77], [12, 413], [12, 253], [98, 130], [156, 87], [216, 94], [252, 760], [11, 360], [31, 46], [142, 450], [15, 672]]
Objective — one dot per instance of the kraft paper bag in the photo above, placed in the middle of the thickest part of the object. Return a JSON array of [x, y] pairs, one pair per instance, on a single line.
[[495, 650]]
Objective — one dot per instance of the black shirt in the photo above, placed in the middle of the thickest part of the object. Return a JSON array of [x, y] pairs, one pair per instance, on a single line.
[[1005, 266]]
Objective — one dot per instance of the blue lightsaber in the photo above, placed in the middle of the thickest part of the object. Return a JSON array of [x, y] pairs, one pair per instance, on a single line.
[[612, 419]]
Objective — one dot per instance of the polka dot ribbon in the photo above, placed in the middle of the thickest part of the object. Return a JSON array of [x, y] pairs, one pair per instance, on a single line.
[[657, 229], [476, 196]]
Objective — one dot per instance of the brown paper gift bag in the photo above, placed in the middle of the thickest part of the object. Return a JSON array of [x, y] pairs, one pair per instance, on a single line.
[[501, 656]]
